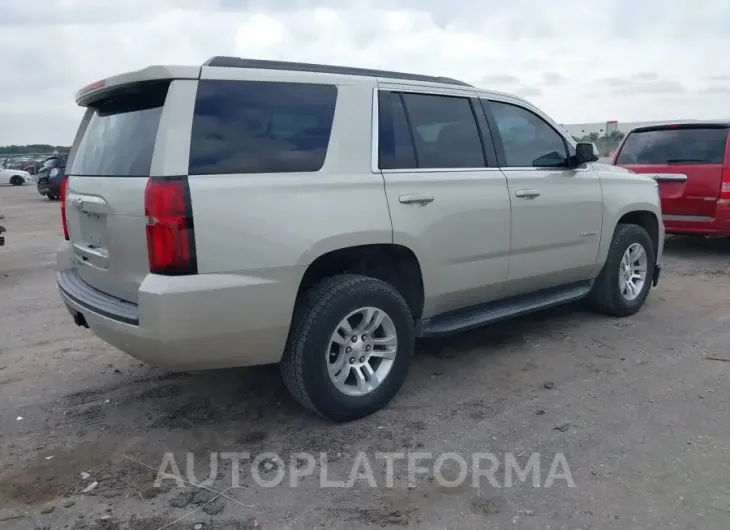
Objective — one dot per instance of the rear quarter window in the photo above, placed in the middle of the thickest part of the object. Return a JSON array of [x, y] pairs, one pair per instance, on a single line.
[[119, 139], [261, 127], [674, 146]]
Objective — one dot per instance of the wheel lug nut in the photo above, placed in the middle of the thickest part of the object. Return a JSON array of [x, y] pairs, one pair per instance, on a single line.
[[364, 337], [354, 339], [348, 349], [362, 359], [352, 360], [367, 348]]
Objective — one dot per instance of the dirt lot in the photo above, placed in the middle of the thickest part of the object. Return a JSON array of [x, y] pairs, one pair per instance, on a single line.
[[638, 407]]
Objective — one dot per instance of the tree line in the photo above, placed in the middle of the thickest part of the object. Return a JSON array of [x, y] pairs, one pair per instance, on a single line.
[[32, 148], [47, 148], [615, 136]]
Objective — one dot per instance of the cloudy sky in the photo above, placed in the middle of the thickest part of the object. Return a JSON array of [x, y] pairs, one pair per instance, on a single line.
[[580, 60]]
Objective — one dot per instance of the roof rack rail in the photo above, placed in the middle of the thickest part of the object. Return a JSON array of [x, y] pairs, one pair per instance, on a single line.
[[236, 62]]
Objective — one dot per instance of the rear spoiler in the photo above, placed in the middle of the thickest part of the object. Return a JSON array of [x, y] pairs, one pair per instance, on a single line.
[[694, 124], [99, 89]]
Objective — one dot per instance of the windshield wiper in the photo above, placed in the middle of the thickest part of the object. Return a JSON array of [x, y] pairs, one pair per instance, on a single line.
[[683, 160]]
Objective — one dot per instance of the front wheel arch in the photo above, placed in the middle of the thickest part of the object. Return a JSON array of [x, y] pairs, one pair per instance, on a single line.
[[646, 220], [605, 296]]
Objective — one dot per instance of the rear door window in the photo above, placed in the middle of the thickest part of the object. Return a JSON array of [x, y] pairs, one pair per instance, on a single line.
[[395, 142], [688, 145], [261, 127], [444, 130], [119, 140]]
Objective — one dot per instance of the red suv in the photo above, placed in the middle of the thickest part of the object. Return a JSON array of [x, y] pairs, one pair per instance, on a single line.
[[691, 162]]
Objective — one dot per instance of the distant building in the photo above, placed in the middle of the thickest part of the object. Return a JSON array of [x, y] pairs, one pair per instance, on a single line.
[[580, 130]]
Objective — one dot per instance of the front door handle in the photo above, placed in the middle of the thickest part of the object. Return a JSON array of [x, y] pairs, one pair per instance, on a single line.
[[419, 198], [527, 194]]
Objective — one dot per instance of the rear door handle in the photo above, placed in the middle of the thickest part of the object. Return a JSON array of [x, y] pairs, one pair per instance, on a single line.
[[527, 194], [418, 198]]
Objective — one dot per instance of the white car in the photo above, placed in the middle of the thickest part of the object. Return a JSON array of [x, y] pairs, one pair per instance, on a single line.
[[16, 177]]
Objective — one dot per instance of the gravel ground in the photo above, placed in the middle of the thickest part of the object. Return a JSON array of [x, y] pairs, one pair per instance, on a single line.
[[639, 408]]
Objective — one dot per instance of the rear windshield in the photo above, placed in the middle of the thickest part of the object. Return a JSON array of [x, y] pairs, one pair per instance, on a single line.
[[120, 137], [261, 127], [49, 163], [675, 146]]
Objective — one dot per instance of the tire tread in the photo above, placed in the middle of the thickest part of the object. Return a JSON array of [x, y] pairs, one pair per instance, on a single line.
[[603, 298], [309, 313]]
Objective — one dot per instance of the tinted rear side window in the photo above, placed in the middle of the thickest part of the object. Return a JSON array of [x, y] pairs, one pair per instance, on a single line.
[[395, 141], [261, 127], [445, 131], [674, 146], [120, 137]]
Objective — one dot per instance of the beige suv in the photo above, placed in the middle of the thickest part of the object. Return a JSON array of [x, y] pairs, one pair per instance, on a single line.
[[249, 212]]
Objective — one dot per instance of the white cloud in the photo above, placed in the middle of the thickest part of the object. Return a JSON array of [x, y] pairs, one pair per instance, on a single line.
[[581, 62]]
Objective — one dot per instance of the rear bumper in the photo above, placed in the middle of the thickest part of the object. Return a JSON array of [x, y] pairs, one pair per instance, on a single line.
[[718, 225], [46, 187], [186, 322], [84, 298]]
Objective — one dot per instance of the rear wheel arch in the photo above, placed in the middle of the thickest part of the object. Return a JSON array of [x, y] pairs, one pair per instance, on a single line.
[[316, 380], [394, 264]]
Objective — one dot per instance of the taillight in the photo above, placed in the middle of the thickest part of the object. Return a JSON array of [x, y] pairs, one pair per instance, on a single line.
[[725, 184], [170, 232], [64, 221]]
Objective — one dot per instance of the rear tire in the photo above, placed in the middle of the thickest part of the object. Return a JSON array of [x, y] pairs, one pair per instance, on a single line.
[[17, 180], [609, 295], [312, 354]]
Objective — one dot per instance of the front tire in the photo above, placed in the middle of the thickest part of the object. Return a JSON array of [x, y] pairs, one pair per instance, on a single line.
[[350, 346], [17, 180], [625, 280]]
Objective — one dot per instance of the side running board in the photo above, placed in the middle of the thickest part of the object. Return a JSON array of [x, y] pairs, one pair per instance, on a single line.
[[489, 313]]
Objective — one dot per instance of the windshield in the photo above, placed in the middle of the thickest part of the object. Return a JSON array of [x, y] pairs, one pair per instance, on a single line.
[[691, 145]]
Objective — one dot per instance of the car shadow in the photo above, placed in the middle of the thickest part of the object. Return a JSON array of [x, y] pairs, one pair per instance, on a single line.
[[142, 411], [695, 246], [254, 403]]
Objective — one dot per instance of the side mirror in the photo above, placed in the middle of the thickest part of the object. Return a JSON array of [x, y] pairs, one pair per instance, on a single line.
[[585, 152]]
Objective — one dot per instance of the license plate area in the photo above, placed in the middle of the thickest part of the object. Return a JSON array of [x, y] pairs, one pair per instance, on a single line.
[[93, 229], [91, 250]]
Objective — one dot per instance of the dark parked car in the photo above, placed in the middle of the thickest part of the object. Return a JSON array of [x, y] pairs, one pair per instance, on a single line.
[[49, 176]]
